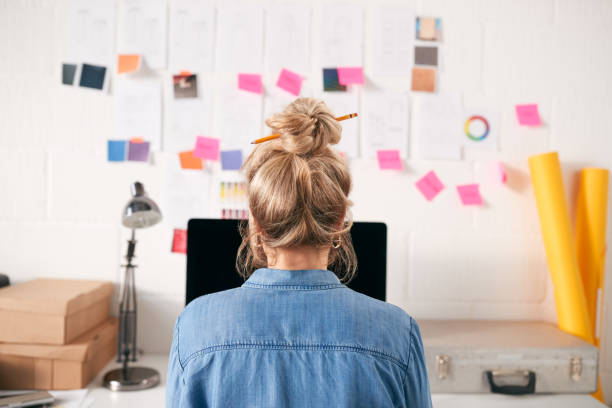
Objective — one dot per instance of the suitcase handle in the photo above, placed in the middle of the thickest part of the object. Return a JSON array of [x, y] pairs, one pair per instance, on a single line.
[[528, 388]]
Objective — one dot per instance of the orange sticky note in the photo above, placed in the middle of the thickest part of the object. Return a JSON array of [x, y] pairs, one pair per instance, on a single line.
[[137, 140], [423, 79], [189, 161], [128, 63]]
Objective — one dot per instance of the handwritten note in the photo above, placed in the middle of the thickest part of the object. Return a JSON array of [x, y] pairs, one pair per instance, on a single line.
[[290, 82], [250, 83], [231, 159], [179, 241], [116, 150], [206, 148], [389, 160], [429, 185], [469, 194], [128, 63], [351, 76], [138, 151], [189, 161], [528, 115], [501, 172]]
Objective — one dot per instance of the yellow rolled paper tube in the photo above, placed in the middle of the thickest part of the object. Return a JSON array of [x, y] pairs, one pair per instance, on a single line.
[[571, 303], [591, 215]]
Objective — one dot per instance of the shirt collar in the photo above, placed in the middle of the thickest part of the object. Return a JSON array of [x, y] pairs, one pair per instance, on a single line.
[[295, 279]]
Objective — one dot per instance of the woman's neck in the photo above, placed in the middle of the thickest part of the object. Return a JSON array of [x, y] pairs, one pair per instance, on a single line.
[[301, 258]]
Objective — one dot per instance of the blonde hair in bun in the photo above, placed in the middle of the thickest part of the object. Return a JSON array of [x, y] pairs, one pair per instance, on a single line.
[[298, 190]]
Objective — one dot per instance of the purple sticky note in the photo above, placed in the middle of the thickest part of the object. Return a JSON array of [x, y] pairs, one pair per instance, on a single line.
[[389, 160], [206, 148], [430, 185], [528, 115], [290, 82], [231, 159], [469, 194], [250, 83], [351, 76], [138, 151]]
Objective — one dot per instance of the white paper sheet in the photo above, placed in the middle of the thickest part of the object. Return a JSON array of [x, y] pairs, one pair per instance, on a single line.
[[237, 118], [343, 103], [186, 118], [239, 42], [341, 36], [186, 193], [385, 122], [191, 36], [438, 126], [138, 110], [89, 32], [142, 30], [393, 31], [288, 38]]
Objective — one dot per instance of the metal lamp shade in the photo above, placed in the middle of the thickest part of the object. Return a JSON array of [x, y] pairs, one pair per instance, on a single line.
[[140, 211]]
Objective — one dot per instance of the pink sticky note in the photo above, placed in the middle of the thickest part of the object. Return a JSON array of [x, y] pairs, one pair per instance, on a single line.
[[429, 185], [501, 172], [528, 115], [350, 76], [206, 148], [389, 160], [250, 83], [290, 82], [469, 194]]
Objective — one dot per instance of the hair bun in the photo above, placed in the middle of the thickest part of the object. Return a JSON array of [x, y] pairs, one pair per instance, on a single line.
[[306, 127]]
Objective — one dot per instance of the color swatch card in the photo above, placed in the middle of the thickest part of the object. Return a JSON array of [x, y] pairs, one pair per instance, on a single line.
[[117, 150], [290, 82], [179, 241], [128, 63], [250, 83], [93, 76], [389, 160], [428, 29], [189, 161], [528, 115], [426, 56], [429, 185], [423, 79], [68, 73], [138, 151], [351, 76], [231, 159], [206, 148], [469, 194], [331, 81]]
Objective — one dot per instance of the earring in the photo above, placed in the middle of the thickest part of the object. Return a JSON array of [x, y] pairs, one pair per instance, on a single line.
[[336, 242]]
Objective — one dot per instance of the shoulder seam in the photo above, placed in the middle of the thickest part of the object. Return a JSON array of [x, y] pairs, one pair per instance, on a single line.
[[290, 346], [178, 350], [412, 324]]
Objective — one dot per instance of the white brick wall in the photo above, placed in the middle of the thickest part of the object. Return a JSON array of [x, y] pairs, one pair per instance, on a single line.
[[60, 200]]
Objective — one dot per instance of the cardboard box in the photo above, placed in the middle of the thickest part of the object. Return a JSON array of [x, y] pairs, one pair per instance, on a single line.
[[52, 311], [50, 367]]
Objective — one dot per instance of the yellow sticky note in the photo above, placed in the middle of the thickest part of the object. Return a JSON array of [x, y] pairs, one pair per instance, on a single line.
[[127, 63]]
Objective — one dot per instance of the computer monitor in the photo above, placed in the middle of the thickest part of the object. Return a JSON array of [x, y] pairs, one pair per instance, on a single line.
[[212, 245]]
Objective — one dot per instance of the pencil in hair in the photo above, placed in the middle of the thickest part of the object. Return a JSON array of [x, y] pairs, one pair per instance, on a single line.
[[276, 135]]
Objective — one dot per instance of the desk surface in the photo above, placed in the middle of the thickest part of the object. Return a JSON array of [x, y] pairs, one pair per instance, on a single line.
[[154, 397]]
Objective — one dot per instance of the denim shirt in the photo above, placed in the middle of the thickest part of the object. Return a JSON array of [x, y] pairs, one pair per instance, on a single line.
[[295, 339]]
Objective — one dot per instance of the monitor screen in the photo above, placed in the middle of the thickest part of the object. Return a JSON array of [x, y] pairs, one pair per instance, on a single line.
[[212, 245]]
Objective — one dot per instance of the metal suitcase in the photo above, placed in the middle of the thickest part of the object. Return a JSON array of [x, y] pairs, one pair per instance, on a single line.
[[506, 357]]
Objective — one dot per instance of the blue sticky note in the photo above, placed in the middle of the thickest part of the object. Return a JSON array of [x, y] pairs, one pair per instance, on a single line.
[[92, 76], [116, 150], [231, 159]]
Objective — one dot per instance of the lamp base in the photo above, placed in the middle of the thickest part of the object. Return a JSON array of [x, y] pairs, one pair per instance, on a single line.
[[131, 379]]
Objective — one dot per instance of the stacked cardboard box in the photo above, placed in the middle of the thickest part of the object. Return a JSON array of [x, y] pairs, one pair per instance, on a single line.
[[55, 333]]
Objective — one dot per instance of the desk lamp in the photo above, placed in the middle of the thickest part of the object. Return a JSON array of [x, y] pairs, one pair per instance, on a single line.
[[140, 212]]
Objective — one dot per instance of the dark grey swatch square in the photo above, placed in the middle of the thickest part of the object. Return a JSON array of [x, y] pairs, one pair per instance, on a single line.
[[68, 71], [92, 76], [426, 56]]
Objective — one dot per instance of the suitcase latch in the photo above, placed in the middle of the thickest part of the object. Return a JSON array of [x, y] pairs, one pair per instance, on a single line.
[[575, 368], [442, 366]]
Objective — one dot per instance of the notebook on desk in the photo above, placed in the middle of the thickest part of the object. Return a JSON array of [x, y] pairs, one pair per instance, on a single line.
[[212, 245]]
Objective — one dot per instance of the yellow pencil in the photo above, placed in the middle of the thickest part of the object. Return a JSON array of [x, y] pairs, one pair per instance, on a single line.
[[276, 135]]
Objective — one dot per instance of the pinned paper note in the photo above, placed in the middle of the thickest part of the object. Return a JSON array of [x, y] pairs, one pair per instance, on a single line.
[[137, 140], [116, 150], [290, 82], [185, 85], [429, 185], [351, 76], [250, 83], [501, 173], [189, 161], [128, 63], [389, 160], [469, 194], [68, 73], [179, 241], [423, 79], [231, 159], [330, 80], [426, 55], [206, 148], [428, 29], [92, 76], [528, 115], [138, 151]]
